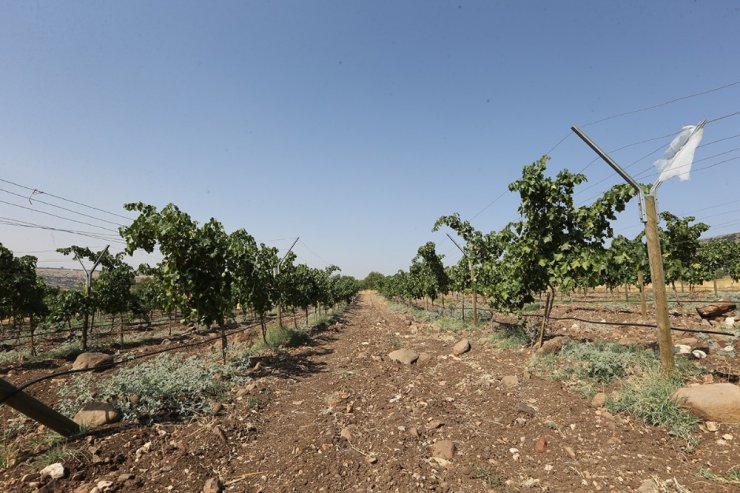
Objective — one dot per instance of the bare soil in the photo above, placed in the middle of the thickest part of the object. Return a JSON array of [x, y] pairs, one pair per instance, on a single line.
[[339, 415]]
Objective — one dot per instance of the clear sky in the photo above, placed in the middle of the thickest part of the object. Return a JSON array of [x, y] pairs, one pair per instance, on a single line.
[[353, 124]]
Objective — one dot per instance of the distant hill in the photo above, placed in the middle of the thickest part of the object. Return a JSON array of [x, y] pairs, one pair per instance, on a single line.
[[731, 236], [63, 278]]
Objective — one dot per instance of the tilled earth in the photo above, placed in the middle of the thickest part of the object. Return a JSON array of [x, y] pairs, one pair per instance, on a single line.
[[339, 415]]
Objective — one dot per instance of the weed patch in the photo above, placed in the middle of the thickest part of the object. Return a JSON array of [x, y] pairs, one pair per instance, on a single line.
[[509, 337], [732, 476], [590, 366], [649, 398], [160, 388]]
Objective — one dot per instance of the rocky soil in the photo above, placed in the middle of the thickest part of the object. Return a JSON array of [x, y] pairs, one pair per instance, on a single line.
[[341, 415]]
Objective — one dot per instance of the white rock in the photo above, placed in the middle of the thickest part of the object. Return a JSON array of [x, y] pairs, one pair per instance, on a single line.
[[144, 449], [104, 485], [730, 322], [699, 354], [682, 349], [53, 471]]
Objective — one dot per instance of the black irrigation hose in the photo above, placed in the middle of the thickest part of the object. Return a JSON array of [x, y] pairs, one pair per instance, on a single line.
[[630, 324], [121, 362], [620, 324], [65, 330]]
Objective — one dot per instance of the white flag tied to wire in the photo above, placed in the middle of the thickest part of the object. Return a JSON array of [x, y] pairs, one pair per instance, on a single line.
[[680, 154]]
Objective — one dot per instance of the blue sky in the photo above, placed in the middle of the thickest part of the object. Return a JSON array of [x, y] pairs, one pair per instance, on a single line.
[[352, 124]]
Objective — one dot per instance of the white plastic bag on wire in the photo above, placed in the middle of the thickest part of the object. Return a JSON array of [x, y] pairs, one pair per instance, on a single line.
[[680, 154]]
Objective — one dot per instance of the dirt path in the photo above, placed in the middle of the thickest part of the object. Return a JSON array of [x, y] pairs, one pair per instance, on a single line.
[[339, 415], [393, 414]]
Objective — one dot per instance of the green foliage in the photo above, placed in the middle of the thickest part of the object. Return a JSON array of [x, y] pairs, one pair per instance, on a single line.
[[194, 270], [22, 292], [427, 274], [623, 260], [554, 243], [680, 247], [720, 257], [65, 306], [372, 281]]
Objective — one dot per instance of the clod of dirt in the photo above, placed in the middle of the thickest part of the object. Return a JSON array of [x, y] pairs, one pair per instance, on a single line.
[[599, 400], [510, 381], [213, 485], [219, 432], [553, 345], [524, 407], [347, 433], [541, 445], [444, 449], [405, 356]]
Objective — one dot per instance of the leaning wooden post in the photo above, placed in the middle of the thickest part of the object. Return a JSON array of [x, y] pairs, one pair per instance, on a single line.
[[37, 410], [649, 216], [656, 274]]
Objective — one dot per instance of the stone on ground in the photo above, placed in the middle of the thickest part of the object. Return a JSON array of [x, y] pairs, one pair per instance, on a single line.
[[682, 349], [553, 345], [92, 360], [462, 347], [718, 402], [444, 449], [94, 414], [405, 356], [53, 471]]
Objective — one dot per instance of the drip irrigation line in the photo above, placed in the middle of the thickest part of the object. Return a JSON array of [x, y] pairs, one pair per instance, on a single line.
[[122, 362], [619, 324], [66, 330], [630, 324]]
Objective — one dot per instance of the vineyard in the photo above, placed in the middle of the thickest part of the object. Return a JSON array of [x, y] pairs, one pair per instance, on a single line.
[[530, 364]]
